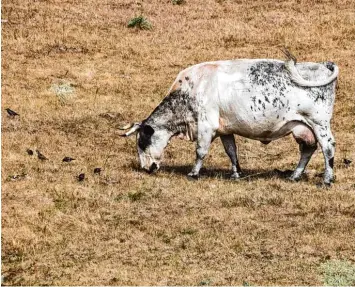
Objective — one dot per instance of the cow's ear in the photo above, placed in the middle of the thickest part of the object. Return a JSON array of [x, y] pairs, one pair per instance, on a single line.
[[148, 130]]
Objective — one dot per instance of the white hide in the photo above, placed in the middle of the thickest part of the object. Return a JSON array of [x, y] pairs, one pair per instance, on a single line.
[[225, 96]]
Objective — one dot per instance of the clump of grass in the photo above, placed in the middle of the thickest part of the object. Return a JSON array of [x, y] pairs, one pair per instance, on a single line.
[[140, 22], [338, 273], [178, 2], [63, 90], [188, 231], [134, 196], [205, 282]]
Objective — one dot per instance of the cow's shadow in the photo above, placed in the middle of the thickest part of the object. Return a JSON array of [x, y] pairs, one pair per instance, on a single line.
[[220, 173]]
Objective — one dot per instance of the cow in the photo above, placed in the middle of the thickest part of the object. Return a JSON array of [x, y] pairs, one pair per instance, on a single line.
[[260, 99]]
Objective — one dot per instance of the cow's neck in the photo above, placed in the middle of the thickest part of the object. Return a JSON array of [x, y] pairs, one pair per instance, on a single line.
[[177, 113]]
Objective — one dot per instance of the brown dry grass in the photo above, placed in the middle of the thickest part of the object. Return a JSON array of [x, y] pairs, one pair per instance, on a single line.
[[124, 226]]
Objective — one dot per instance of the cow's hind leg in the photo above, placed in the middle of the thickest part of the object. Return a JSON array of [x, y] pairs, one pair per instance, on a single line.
[[306, 154], [203, 144], [307, 145], [326, 141], [231, 150]]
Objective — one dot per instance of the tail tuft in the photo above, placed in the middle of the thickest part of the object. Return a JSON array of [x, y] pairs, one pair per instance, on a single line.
[[330, 65]]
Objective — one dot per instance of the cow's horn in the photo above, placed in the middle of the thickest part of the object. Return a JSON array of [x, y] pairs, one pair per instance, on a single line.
[[133, 129], [126, 127]]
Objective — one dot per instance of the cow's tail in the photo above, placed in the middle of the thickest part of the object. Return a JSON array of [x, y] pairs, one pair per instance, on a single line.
[[297, 78], [290, 65]]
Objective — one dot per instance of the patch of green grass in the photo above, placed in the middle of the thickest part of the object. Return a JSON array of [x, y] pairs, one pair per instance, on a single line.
[[118, 197], [134, 196], [188, 231], [205, 282], [60, 204], [338, 273], [140, 22], [178, 2]]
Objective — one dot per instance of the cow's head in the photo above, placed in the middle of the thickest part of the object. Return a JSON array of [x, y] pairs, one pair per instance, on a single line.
[[151, 142]]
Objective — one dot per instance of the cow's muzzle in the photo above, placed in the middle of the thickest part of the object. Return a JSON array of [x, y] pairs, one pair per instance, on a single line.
[[153, 168]]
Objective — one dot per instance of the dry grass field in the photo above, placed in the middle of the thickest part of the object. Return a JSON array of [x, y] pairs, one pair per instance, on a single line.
[[74, 72]]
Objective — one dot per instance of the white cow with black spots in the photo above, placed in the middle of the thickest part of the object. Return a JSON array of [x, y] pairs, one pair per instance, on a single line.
[[261, 99]]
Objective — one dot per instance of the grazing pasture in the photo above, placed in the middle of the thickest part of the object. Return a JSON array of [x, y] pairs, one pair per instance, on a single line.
[[74, 72]]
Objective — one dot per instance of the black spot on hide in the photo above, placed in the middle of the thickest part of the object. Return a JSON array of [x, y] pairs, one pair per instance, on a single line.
[[272, 76], [328, 152], [275, 83], [331, 162], [176, 111], [145, 136], [323, 93]]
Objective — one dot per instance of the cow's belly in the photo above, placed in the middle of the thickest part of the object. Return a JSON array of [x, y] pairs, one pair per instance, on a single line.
[[255, 116], [259, 130], [260, 112], [269, 133]]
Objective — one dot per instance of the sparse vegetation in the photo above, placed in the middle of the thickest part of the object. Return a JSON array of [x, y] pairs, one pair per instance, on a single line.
[[205, 282], [178, 2], [338, 273], [63, 90], [121, 226], [134, 196], [140, 22]]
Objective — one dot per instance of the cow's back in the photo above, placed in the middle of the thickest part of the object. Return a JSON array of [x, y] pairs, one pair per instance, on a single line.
[[251, 96], [257, 98]]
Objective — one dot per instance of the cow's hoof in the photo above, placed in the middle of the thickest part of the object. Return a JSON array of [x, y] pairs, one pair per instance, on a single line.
[[294, 178], [324, 185], [288, 173], [328, 181], [235, 176], [192, 176]]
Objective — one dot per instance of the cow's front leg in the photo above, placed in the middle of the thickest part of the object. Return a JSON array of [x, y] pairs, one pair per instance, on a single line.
[[203, 144], [231, 150]]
